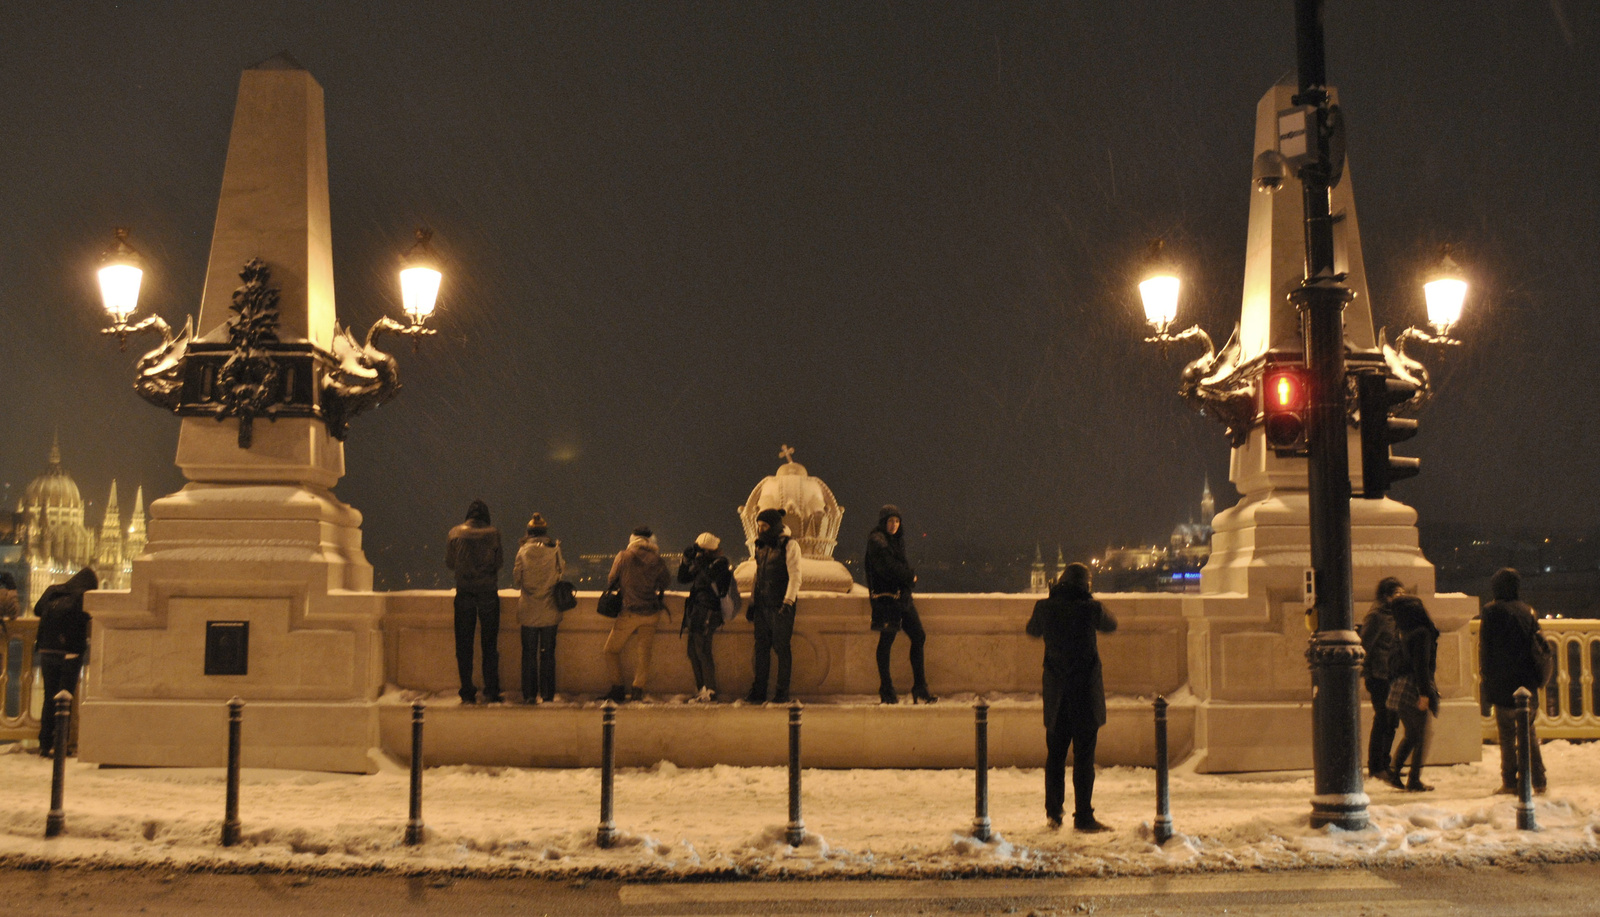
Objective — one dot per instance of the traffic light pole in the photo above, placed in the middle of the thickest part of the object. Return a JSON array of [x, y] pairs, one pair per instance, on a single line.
[[1335, 652]]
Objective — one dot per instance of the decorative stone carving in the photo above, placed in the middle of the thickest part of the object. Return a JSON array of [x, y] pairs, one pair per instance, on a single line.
[[812, 516]]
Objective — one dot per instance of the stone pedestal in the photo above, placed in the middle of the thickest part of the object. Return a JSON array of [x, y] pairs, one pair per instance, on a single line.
[[255, 555]]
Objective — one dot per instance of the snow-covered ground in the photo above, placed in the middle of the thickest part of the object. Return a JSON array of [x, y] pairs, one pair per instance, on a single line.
[[730, 821]]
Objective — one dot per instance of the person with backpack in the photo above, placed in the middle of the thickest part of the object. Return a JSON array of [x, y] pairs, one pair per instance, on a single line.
[[1413, 695], [60, 645], [537, 569], [772, 604], [889, 581], [710, 577], [1381, 640], [1511, 652], [640, 576]]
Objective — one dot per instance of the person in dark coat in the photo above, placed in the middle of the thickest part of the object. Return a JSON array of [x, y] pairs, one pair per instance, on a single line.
[[709, 576], [1074, 692], [62, 641], [1413, 695], [889, 580], [1381, 641], [772, 605], [473, 554], [1505, 660]]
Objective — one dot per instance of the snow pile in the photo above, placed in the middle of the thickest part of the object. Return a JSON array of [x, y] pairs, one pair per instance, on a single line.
[[731, 821]]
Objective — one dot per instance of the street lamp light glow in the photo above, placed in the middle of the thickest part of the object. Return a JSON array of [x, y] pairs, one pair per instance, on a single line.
[[120, 278], [1445, 293], [1160, 295], [419, 279]]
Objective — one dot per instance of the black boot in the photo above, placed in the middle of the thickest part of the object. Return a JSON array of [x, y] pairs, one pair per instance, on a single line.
[[920, 695], [616, 695], [636, 694], [886, 695]]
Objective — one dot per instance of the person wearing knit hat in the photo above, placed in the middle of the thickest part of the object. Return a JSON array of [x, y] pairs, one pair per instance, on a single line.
[[709, 576], [472, 552], [772, 605], [889, 581], [538, 567], [640, 575]]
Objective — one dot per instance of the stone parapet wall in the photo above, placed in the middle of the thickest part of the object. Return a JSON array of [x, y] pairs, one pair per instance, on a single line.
[[976, 644]]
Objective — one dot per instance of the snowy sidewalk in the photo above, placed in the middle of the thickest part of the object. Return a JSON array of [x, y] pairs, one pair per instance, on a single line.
[[729, 821]]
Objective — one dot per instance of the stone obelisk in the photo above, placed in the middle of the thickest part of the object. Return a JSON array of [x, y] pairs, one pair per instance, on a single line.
[[1247, 635], [253, 582]]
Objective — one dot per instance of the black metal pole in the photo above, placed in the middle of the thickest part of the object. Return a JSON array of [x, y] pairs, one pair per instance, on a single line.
[[230, 819], [414, 824], [981, 829], [1163, 822], [607, 835], [797, 827], [1525, 819], [1335, 651], [56, 821]]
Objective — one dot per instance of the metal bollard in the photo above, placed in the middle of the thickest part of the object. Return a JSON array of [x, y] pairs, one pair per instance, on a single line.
[[56, 821], [1525, 819], [230, 819], [414, 825], [607, 835], [981, 829], [1163, 822], [797, 827]]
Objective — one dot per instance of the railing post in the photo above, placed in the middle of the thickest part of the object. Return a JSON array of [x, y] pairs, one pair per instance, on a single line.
[[230, 818], [56, 821], [981, 829], [607, 835], [797, 827], [1163, 823], [1525, 819], [414, 825]]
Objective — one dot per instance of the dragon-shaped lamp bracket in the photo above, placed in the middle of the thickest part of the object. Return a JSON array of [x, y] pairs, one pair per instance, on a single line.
[[121, 273]]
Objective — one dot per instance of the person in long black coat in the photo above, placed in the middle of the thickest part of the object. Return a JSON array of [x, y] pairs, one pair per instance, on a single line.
[[62, 640], [1074, 691], [1414, 695], [889, 580]]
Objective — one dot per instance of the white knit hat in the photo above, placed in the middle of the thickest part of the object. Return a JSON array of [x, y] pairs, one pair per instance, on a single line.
[[708, 541]]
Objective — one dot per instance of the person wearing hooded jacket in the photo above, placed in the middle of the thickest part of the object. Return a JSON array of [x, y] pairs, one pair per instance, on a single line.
[[1074, 692], [772, 603], [1381, 641], [10, 608], [62, 640], [537, 569], [709, 576], [641, 577], [889, 580], [1505, 660], [1413, 694], [472, 552]]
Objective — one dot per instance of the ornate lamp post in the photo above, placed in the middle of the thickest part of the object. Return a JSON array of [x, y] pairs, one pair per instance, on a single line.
[[1224, 385], [253, 374]]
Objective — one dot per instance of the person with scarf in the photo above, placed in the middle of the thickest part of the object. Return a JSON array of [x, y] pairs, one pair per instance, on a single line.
[[472, 552], [772, 603], [709, 576], [889, 580]]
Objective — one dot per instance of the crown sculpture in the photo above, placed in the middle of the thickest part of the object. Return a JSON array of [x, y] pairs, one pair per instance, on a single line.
[[812, 516]]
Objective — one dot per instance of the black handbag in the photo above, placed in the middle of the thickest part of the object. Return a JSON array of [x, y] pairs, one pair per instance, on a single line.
[[565, 595], [610, 603]]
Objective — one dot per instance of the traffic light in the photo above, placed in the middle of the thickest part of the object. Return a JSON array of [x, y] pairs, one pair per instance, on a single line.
[[1376, 395], [1285, 396]]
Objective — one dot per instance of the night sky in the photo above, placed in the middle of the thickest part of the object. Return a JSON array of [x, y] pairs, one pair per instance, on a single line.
[[901, 237]]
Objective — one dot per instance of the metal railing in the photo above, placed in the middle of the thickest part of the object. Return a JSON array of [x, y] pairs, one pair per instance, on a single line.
[[19, 712], [1569, 704]]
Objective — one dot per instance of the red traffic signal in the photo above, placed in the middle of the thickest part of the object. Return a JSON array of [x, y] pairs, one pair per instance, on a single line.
[[1285, 396]]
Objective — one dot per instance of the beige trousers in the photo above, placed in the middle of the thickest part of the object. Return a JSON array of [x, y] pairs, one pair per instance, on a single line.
[[624, 627]]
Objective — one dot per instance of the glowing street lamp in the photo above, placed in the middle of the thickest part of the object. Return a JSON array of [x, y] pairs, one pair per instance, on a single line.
[[1445, 291], [1159, 290], [419, 279]]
